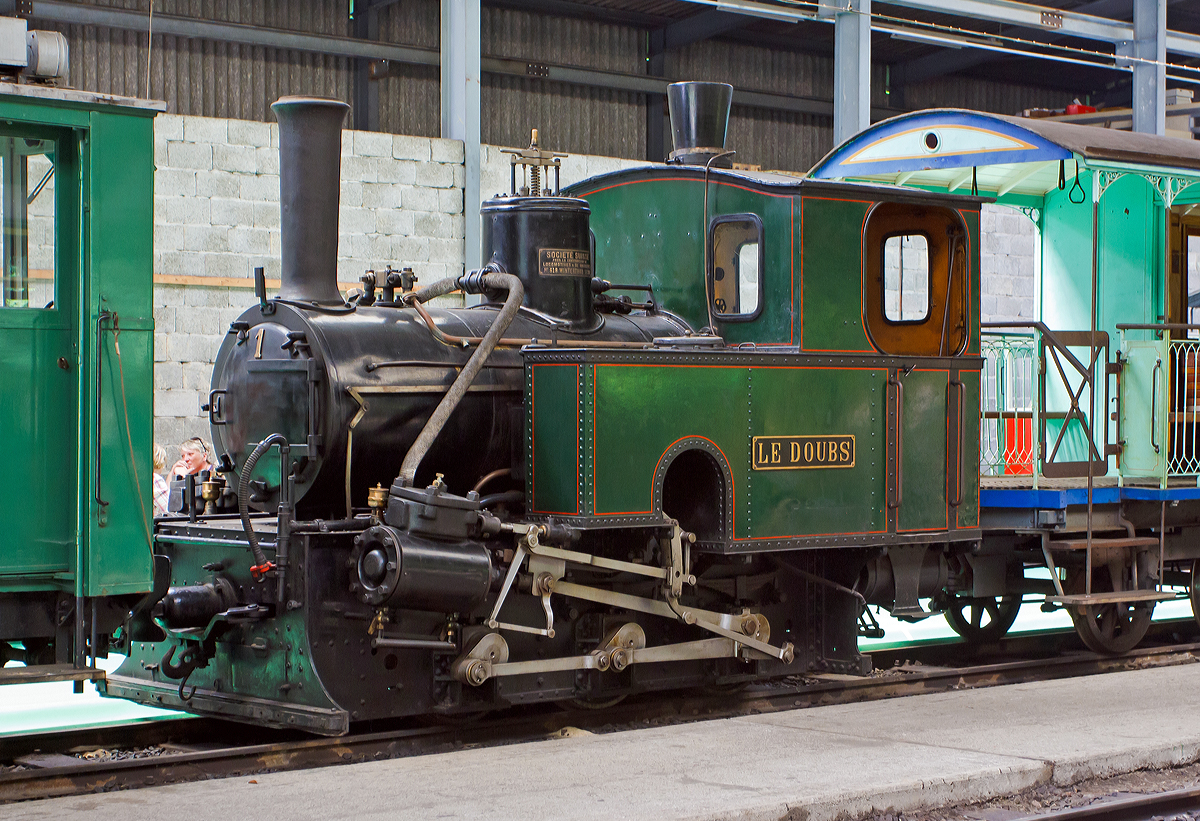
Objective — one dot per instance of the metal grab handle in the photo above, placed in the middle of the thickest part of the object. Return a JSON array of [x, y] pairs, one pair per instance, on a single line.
[[899, 440], [103, 315], [215, 406], [962, 400], [1154, 404]]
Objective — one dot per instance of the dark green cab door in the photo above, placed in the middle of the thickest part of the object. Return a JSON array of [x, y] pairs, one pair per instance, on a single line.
[[39, 355]]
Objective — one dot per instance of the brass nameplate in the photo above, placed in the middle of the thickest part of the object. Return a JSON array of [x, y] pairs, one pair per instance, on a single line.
[[564, 262], [800, 452]]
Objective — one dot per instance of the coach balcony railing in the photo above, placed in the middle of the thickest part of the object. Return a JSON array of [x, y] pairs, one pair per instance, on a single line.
[[1184, 408], [1007, 407], [1041, 391]]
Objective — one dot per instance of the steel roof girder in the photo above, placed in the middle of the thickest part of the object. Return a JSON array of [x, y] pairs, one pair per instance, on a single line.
[[1029, 15], [1044, 18]]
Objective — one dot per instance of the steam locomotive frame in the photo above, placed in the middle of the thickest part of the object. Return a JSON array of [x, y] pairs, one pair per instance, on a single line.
[[701, 487]]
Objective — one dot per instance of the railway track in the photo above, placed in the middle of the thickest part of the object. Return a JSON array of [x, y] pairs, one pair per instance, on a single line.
[[1183, 803], [200, 748]]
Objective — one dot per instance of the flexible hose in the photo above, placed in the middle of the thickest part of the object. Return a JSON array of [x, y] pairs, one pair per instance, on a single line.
[[260, 558], [434, 290], [516, 294]]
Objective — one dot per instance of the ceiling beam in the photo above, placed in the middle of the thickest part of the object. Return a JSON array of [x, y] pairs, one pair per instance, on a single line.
[[569, 8], [1047, 19], [702, 26], [952, 61]]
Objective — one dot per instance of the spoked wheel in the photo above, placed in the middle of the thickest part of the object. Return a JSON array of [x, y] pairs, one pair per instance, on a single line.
[[983, 619], [1108, 628], [1193, 592]]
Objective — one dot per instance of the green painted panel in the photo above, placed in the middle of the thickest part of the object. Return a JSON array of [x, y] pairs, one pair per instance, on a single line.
[[974, 291], [120, 253], [923, 451], [119, 555], [775, 324], [1066, 246], [831, 276], [968, 510], [826, 500], [1131, 238], [554, 398], [37, 424], [1143, 376], [39, 400], [650, 230], [49, 362], [641, 410]]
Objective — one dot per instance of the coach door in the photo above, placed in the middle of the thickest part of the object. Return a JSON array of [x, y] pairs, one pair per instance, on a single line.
[[39, 357], [915, 310]]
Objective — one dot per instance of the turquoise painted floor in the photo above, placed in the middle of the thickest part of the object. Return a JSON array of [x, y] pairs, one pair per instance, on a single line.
[[26, 708]]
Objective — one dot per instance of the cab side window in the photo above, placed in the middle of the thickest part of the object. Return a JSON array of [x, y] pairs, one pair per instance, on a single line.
[[914, 279], [735, 268], [27, 219]]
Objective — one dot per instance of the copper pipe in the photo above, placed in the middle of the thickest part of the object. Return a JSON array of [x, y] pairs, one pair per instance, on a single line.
[[491, 477], [453, 341]]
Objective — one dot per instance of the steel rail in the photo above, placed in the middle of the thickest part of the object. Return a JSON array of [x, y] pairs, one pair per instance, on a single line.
[[1135, 808], [287, 750]]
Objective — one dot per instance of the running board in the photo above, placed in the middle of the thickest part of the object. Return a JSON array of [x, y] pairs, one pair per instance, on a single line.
[[319, 720], [41, 673], [1113, 597]]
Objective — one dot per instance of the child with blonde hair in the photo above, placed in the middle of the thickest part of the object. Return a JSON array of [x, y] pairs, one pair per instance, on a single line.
[[162, 490]]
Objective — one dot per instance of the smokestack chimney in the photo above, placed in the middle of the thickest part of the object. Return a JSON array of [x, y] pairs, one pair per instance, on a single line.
[[310, 165], [699, 120]]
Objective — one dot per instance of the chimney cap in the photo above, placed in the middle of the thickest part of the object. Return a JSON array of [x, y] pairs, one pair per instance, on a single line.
[[699, 121]]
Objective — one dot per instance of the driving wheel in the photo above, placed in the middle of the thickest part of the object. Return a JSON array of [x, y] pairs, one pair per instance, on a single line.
[[983, 619]]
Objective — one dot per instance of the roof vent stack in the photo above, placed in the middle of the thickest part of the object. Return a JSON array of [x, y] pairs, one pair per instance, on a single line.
[[699, 121]]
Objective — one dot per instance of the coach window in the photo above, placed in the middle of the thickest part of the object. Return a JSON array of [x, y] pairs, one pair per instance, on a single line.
[[27, 214], [914, 279], [735, 245]]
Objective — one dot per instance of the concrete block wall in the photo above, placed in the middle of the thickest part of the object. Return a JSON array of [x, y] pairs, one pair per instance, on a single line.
[[217, 200], [217, 219], [1008, 241]]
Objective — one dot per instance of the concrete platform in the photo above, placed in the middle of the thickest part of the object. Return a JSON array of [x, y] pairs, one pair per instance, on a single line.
[[820, 763]]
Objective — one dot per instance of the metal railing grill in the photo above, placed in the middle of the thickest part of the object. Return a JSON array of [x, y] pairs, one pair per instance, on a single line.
[[1184, 408], [1007, 424]]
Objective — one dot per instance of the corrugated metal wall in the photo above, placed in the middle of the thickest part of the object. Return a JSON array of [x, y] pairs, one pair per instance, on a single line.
[[571, 118], [410, 102], [228, 80]]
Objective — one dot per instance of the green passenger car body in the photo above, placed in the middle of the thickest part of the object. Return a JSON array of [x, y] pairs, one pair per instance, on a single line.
[[76, 364]]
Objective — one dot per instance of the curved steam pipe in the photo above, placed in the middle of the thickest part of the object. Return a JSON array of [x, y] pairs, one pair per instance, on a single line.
[[260, 558], [489, 280]]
